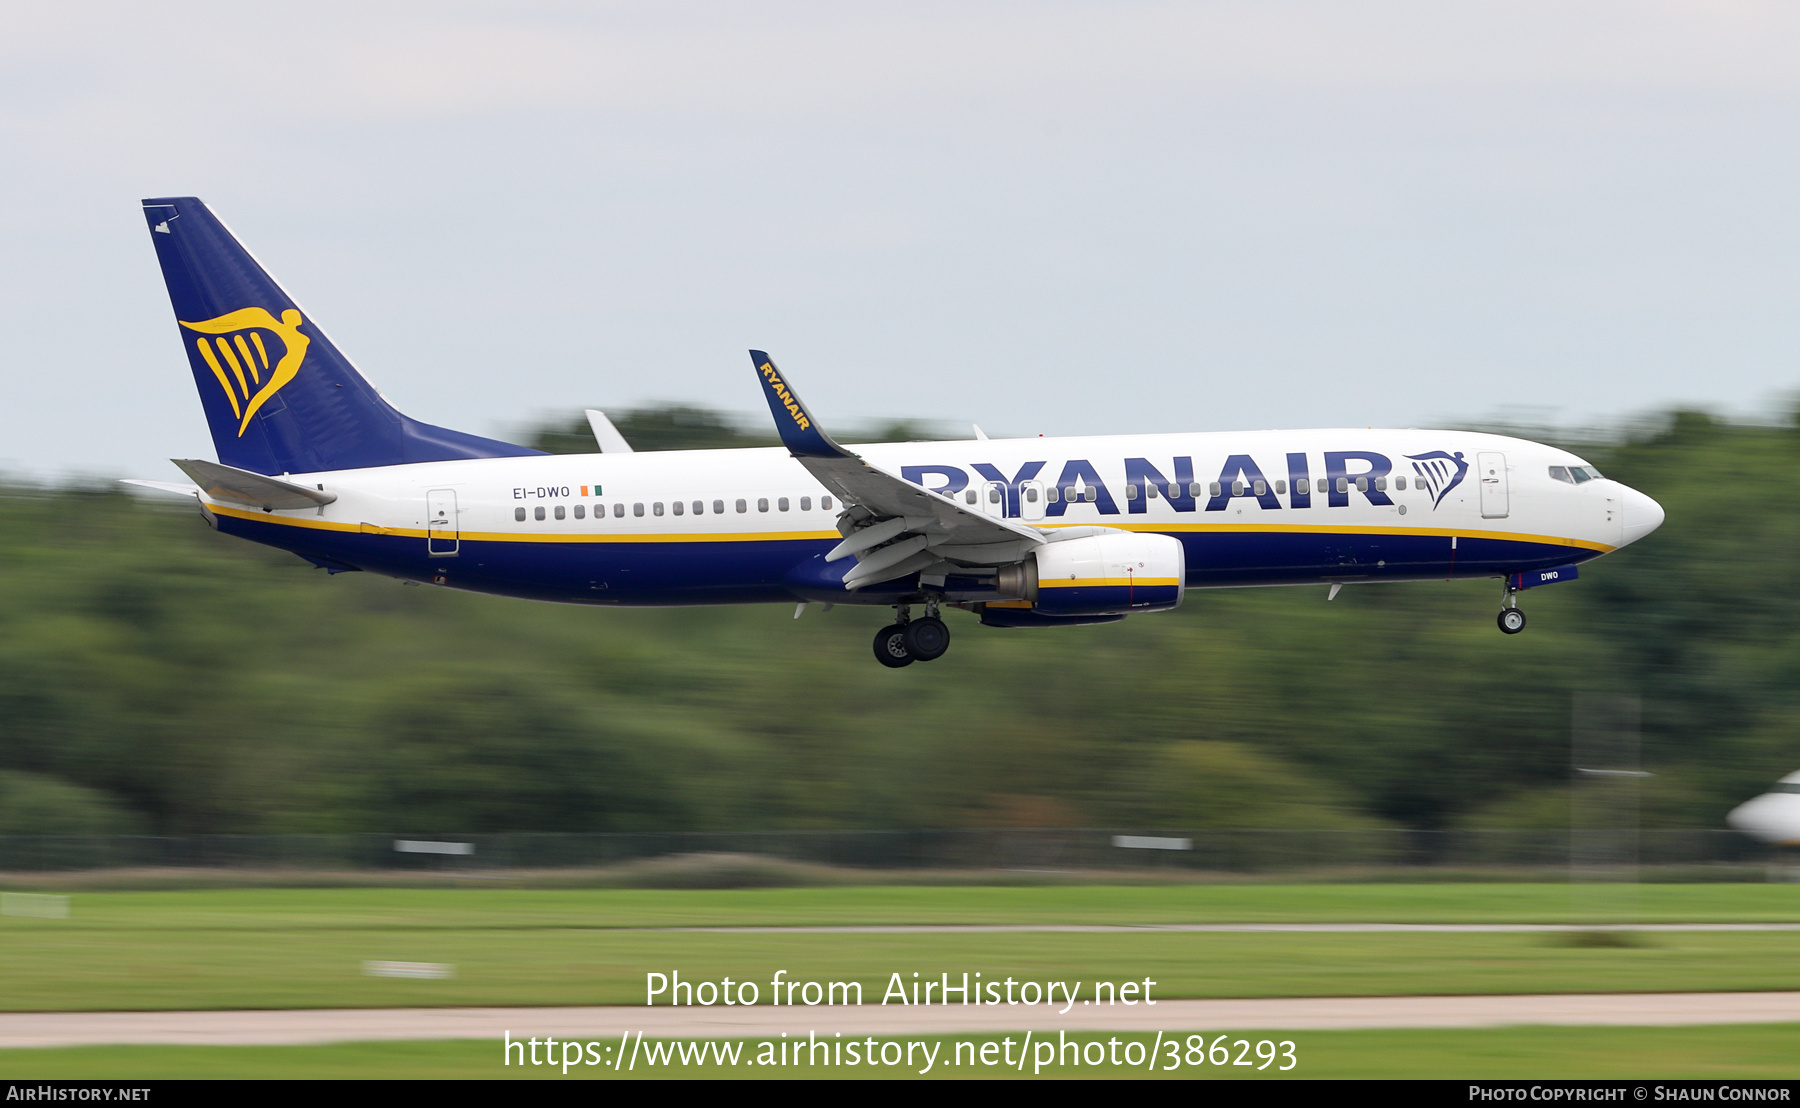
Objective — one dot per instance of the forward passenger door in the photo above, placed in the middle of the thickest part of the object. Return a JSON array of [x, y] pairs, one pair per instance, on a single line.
[[1492, 468]]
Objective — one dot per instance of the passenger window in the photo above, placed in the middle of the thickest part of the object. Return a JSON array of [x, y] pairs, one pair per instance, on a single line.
[[1131, 492], [993, 495], [1090, 495], [743, 506], [782, 503], [1400, 483], [699, 507], [677, 507], [581, 511], [969, 497], [1261, 488], [1381, 484], [1194, 489], [537, 513], [762, 504], [637, 509], [1362, 484], [1212, 489], [1280, 486], [718, 507], [619, 511], [1323, 486], [656, 508], [1031, 494], [1150, 491], [1052, 495], [1343, 485], [560, 514], [825, 503], [1237, 488], [806, 503], [519, 514]]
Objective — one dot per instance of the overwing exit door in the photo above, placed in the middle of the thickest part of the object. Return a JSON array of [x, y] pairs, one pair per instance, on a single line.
[[1492, 468], [1031, 501], [993, 499], [441, 537]]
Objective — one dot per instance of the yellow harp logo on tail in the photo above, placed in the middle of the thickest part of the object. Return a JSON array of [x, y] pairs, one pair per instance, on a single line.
[[233, 347]]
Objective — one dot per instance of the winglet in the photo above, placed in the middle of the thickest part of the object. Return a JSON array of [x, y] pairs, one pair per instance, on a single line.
[[800, 433], [606, 436]]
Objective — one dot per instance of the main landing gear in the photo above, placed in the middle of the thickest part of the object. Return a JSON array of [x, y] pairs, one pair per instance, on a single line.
[[1511, 619], [909, 640]]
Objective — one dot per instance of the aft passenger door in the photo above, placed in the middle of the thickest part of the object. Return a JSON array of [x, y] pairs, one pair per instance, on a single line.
[[441, 536], [1492, 467]]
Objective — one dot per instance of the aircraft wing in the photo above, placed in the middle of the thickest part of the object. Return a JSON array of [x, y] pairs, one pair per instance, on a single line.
[[895, 527]]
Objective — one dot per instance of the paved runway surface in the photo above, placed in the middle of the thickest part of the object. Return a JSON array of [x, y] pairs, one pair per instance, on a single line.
[[42, 1029]]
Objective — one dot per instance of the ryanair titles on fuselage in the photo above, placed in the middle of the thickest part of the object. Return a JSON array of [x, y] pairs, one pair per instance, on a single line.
[[1345, 472]]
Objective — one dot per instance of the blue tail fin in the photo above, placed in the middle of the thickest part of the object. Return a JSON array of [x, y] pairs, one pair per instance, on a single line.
[[279, 398]]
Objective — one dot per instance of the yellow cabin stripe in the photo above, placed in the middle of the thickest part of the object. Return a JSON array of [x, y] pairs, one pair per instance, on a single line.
[[509, 536], [770, 536], [1116, 582], [1333, 529]]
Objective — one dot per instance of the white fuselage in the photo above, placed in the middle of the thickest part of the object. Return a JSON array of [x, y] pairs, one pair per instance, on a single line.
[[712, 526]]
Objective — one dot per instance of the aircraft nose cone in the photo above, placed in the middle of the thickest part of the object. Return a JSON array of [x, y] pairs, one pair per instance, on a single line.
[[1642, 515], [1770, 818]]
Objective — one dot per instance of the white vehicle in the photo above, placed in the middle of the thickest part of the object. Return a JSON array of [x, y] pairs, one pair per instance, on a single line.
[[1041, 532], [1773, 817]]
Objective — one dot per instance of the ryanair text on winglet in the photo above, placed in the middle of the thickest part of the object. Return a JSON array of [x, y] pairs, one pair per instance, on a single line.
[[787, 398]]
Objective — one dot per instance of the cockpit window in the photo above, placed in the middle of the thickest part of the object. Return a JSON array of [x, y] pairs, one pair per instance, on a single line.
[[1574, 475], [1787, 787]]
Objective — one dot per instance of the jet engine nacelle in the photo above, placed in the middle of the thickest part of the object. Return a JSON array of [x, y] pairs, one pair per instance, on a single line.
[[1111, 573]]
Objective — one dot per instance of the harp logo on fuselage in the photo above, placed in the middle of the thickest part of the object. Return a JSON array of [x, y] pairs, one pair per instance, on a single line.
[[235, 348], [1434, 469]]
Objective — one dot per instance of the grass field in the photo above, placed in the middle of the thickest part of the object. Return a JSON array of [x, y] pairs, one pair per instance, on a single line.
[[304, 948], [1100, 904], [1643, 1053]]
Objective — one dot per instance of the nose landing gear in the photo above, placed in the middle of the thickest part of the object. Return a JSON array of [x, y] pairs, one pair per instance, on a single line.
[[909, 640], [1511, 619]]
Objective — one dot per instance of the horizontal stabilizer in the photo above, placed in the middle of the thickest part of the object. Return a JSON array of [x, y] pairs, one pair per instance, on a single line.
[[241, 486], [173, 488]]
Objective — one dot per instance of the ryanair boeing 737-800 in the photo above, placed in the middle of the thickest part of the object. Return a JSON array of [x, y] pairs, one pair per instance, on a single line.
[[1042, 532]]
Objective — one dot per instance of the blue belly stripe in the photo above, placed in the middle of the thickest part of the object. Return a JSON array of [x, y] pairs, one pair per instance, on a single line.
[[753, 571]]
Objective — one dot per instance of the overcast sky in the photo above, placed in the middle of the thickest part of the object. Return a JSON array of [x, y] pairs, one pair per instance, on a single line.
[[1045, 217]]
